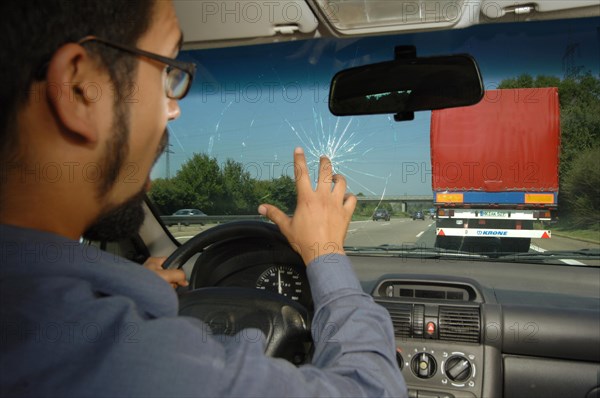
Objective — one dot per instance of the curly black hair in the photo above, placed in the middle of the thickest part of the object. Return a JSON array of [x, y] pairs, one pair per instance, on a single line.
[[32, 30]]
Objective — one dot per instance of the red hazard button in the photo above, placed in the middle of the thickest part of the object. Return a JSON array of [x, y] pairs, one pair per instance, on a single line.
[[430, 328]]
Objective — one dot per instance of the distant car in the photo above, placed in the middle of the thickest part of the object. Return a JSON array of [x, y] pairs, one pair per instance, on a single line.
[[188, 212], [381, 214], [418, 215]]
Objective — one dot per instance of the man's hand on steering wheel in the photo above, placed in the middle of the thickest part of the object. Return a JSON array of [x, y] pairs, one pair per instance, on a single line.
[[322, 216], [175, 277]]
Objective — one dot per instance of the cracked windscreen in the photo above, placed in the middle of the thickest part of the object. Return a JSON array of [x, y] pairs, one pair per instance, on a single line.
[[250, 106]]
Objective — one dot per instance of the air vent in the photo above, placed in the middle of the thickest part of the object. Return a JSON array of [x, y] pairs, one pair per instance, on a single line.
[[459, 324], [427, 291], [400, 314]]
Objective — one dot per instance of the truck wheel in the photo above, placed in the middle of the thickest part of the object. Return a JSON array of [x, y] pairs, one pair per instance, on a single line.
[[515, 245]]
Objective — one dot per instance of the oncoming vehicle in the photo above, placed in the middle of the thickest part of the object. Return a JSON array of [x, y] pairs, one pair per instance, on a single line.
[[358, 82], [381, 214]]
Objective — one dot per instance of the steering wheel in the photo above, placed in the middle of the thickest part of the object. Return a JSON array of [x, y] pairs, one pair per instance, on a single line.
[[230, 310]]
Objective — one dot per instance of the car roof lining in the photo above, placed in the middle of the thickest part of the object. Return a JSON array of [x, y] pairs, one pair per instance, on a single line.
[[215, 24]]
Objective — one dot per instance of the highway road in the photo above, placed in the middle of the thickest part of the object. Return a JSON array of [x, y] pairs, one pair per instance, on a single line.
[[408, 233], [397, 231]]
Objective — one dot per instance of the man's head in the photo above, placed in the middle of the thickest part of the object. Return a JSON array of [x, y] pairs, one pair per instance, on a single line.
[[80, 94]]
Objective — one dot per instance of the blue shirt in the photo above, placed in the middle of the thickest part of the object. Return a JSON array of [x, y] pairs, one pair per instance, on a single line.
[[76, 321]]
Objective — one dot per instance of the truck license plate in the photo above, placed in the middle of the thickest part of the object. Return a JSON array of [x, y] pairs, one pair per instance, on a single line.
[[493, 213]]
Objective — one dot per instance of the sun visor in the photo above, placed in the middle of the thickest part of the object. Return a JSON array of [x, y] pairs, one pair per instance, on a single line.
[[226, 20]]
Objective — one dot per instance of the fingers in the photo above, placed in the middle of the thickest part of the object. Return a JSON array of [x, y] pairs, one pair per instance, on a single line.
[[321, 216], [350, 203], [301, 172], [325, 175], [175, 277], [325, 179], [340, 185], [154, 262], [275, 215]]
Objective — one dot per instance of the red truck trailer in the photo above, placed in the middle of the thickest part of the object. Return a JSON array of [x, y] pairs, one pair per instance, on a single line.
[[495, 168]]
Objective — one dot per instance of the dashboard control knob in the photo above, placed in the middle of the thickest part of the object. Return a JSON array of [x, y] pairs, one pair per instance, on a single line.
[[458, 368], [423, 365]]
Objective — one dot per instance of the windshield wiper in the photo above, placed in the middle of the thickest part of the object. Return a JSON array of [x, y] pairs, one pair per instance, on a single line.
[[587, 254], [436, 253], [410, 251]]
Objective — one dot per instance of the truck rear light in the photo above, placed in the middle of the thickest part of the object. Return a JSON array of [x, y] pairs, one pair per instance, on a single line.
[[519, 225], [541, 214], [481, 222], [546, 198], [449, 197]]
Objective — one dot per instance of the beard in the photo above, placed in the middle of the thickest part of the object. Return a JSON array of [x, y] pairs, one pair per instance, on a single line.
[[124, 220], [120, 222]]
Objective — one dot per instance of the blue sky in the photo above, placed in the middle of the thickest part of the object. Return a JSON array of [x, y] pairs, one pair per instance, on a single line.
[[255, 104]]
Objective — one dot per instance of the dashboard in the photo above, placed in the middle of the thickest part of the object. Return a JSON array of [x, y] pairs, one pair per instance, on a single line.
[[462, 328], [255, 263], [490, 329]]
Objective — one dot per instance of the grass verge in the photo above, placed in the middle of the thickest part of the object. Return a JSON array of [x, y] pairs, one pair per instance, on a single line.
[[591, 234]]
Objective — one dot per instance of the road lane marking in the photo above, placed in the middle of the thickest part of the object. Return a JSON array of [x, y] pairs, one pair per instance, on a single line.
[[564, 260], [571, 262], [184, 237], [353, 230], [420, 233], [537, 248]]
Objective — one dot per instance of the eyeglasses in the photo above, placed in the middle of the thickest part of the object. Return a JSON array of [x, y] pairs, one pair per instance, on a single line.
[[179, 74]]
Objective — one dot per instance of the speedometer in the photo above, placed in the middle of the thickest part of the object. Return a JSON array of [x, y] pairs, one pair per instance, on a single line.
[[281, 279]]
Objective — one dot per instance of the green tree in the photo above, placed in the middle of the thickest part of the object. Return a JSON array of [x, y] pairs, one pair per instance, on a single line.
[[240, 196], [280, 192], [360, 206], [200, 181], [202, 184], [582, 188], [162, 193]]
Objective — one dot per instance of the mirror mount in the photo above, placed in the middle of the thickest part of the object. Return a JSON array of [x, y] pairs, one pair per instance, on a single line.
[[404, 52]]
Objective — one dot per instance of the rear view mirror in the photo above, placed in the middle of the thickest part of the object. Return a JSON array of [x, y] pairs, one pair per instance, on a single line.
[[406, 85]]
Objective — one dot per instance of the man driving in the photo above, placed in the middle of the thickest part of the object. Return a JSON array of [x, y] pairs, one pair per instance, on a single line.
[[87, 90]]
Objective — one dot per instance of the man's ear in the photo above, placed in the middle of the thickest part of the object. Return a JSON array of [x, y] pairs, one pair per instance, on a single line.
[[70, 69]]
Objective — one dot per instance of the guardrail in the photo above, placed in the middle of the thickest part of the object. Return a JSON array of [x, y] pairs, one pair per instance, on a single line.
[[190, 220]]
